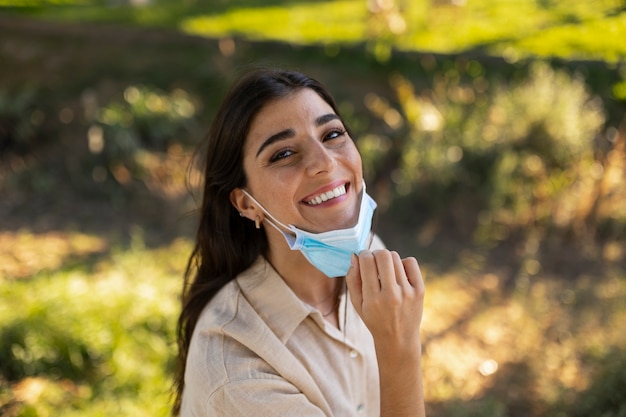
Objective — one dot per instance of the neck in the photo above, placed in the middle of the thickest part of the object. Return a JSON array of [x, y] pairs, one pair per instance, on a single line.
[[307, 282]]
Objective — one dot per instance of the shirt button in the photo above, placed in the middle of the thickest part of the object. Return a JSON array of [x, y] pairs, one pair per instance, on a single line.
[[360, 408], [354, 354]]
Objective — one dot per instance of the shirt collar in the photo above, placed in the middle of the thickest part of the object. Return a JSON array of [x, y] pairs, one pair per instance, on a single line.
[[272, 298]]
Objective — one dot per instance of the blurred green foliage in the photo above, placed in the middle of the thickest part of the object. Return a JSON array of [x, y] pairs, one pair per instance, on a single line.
[[146, 118], [564, 28], [341, 22], [529, 151], [95, 339], [607, 397], [512, 156], [20, 120]]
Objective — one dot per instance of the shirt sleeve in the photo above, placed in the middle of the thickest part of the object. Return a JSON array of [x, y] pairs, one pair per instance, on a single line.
[[273, 397], [239, 384]]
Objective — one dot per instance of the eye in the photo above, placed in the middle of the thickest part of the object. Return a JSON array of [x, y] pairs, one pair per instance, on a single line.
[[334, 134], [282, 154]]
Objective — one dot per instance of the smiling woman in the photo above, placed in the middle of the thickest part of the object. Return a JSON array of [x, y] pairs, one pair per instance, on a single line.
[[263, 330]]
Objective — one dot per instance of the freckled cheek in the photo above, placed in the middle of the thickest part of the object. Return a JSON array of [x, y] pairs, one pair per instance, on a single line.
[[353, 158], [274, 184]]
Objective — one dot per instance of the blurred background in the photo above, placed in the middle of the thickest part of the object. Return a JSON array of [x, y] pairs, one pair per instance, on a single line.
[[493, 134]]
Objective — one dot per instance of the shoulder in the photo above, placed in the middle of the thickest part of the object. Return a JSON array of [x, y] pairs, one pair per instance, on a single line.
[[243, 323], [220, 352], [238, 360]]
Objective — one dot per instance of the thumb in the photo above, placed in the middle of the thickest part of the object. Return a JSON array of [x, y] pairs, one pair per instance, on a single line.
[[353, 281]]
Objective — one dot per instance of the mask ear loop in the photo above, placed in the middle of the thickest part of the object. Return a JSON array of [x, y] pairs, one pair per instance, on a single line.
[[271, 219], [370, 239]]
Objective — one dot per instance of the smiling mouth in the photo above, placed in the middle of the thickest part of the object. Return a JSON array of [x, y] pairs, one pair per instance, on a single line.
[[328, 195]]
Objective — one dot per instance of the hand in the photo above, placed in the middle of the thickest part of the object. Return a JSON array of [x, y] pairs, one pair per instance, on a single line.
[[388, 294]]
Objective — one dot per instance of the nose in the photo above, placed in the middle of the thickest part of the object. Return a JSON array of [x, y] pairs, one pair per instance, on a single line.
[[319, 159]]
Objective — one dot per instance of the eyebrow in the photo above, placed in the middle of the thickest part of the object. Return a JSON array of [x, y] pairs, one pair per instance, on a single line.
[[289, 133]]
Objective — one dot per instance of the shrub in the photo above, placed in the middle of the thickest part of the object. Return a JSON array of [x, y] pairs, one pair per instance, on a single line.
[[606, 397], [521, 152], [147, 119], [20, 120], [543, 132]]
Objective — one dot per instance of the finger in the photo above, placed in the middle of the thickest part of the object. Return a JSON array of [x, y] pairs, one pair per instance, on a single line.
[[413, 274], [399, 271], [386, 273], [354, 283], [369, 273]]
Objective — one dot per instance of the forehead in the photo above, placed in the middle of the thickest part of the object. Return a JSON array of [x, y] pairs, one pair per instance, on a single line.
[[300, 106]]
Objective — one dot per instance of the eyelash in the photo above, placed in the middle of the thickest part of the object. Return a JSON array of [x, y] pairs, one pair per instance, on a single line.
[[281, 155], [339, 133], [286, 153]]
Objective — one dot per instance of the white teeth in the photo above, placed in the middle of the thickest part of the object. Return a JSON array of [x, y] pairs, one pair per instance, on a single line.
[[341, 190]]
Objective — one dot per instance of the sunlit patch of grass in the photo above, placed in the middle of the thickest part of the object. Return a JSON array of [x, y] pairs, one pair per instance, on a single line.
[[455, 28], [542, 338], [513, 28], [24, 253], [339, 21], [563, 28], [598, 39], [97, 342]]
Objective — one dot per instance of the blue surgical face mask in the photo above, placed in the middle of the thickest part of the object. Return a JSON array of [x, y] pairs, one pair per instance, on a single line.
[[331, 251]]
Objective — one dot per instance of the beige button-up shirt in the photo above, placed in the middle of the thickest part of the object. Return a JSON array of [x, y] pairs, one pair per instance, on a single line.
[[258, 350]]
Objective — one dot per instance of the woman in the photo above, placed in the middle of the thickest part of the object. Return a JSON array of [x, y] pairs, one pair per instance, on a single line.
[[287, 308]]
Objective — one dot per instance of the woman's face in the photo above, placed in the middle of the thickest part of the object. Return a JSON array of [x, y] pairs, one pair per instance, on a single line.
[[301, 164]]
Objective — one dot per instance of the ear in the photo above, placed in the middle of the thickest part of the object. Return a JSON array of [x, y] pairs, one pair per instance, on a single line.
[[241, 202]]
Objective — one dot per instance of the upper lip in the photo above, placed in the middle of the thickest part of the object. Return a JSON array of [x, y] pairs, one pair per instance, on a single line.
[[325, 189]]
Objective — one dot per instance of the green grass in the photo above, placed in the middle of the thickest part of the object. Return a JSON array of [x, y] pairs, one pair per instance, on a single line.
[[333, 22], [560, 28], [95, 339], [599, 39]]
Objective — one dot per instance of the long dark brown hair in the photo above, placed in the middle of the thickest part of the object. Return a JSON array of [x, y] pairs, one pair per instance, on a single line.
[[226, 243]]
